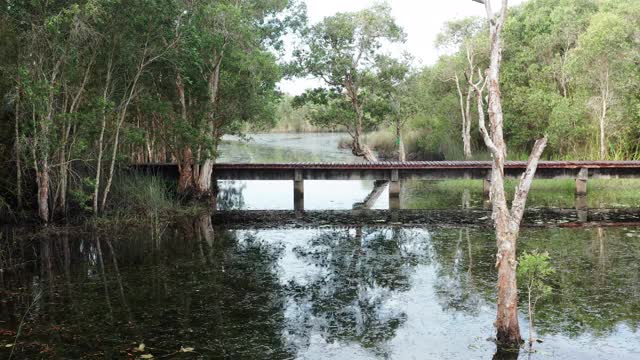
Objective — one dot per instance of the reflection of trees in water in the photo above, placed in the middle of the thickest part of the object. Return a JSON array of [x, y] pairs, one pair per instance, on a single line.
[[455, 285], [592, 292], [362, 270], [230, 195], [597, 273], [221, 293], [196, 288]]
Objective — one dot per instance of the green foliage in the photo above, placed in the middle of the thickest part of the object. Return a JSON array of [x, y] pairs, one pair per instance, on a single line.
[[292, 118], [82, 194], [77, 75], [534, 272], [344, 51], [556, 58]]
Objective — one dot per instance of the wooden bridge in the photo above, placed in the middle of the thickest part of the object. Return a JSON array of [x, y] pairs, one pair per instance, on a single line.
[[395, 172]]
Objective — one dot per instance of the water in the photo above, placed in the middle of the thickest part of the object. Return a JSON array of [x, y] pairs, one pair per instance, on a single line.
[[363, 291], [416, 194]]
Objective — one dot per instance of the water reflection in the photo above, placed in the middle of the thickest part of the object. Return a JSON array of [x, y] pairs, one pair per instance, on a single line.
[[354, 292], [414, 194]]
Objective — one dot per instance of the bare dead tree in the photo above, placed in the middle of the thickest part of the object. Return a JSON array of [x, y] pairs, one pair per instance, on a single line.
[[506, 221]]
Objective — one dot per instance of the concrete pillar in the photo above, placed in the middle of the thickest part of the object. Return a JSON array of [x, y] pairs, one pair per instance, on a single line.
[[581, 207], [298, 191], [394, 190], [581, 182]]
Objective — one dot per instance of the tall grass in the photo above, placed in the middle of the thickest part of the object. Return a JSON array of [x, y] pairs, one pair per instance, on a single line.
[[422, 144], [295, 125], [142, 194], [419, 144]]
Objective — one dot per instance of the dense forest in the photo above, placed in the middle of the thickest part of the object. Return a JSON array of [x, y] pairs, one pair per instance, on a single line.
[[91, 86]]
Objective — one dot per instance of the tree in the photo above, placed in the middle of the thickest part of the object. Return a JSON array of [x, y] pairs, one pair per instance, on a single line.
[[392, 85], [464, 34], [603, 58], [84, 84], [533, 273], [54, 59], [506, 221], [341, 50], [224, 77]]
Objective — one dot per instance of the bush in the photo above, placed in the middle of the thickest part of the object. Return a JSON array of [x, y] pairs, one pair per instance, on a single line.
[[534, 271]]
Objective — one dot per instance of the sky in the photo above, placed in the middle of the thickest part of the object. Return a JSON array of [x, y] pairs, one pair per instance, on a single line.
[[421, 20]]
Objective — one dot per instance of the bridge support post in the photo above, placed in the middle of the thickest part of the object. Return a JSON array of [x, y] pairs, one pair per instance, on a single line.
[[298, 191], [394, 190], [582, 209], [581, 182]]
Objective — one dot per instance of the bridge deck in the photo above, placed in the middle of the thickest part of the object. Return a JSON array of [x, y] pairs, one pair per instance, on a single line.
[[427, 170]]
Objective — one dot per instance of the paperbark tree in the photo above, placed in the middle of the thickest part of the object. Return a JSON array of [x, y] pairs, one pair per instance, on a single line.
[[224, 78], [392, 83], [341, 51], [506, 220], [601, 55], [462, 34]]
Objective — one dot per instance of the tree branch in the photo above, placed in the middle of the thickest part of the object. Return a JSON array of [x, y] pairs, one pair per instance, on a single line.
[[483, 129], [520, 197]]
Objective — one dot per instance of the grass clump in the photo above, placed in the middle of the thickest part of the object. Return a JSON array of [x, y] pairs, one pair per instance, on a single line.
[[142, 194]]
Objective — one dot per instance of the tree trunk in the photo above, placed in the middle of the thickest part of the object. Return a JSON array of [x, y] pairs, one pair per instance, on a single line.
[[202, 173], [186, 180], [467, 130], [64, 170], [42, 179], [604, 94], [464, 111], [507, 222], [358, 147], [18, 152], [185, 169], [103, 125], [508, 330], [204, 180], [530, 318], [401, 153]]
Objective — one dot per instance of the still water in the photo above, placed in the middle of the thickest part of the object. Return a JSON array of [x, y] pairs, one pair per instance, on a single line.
[[360, 291]]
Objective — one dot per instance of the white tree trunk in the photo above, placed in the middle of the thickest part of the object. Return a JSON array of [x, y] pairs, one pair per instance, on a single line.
[[507, 222]]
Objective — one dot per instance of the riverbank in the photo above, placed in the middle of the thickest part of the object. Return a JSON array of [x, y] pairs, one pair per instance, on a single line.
[[134, 198]]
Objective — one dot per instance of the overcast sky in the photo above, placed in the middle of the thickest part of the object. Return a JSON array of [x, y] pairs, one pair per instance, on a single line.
[[420, 19]]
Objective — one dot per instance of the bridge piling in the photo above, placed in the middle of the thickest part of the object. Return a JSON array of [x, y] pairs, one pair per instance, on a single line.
[[298, 191], [582, 209], [394, 190], [581, 182]]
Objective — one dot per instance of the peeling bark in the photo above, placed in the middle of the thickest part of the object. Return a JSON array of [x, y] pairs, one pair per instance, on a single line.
[[506, 221]]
